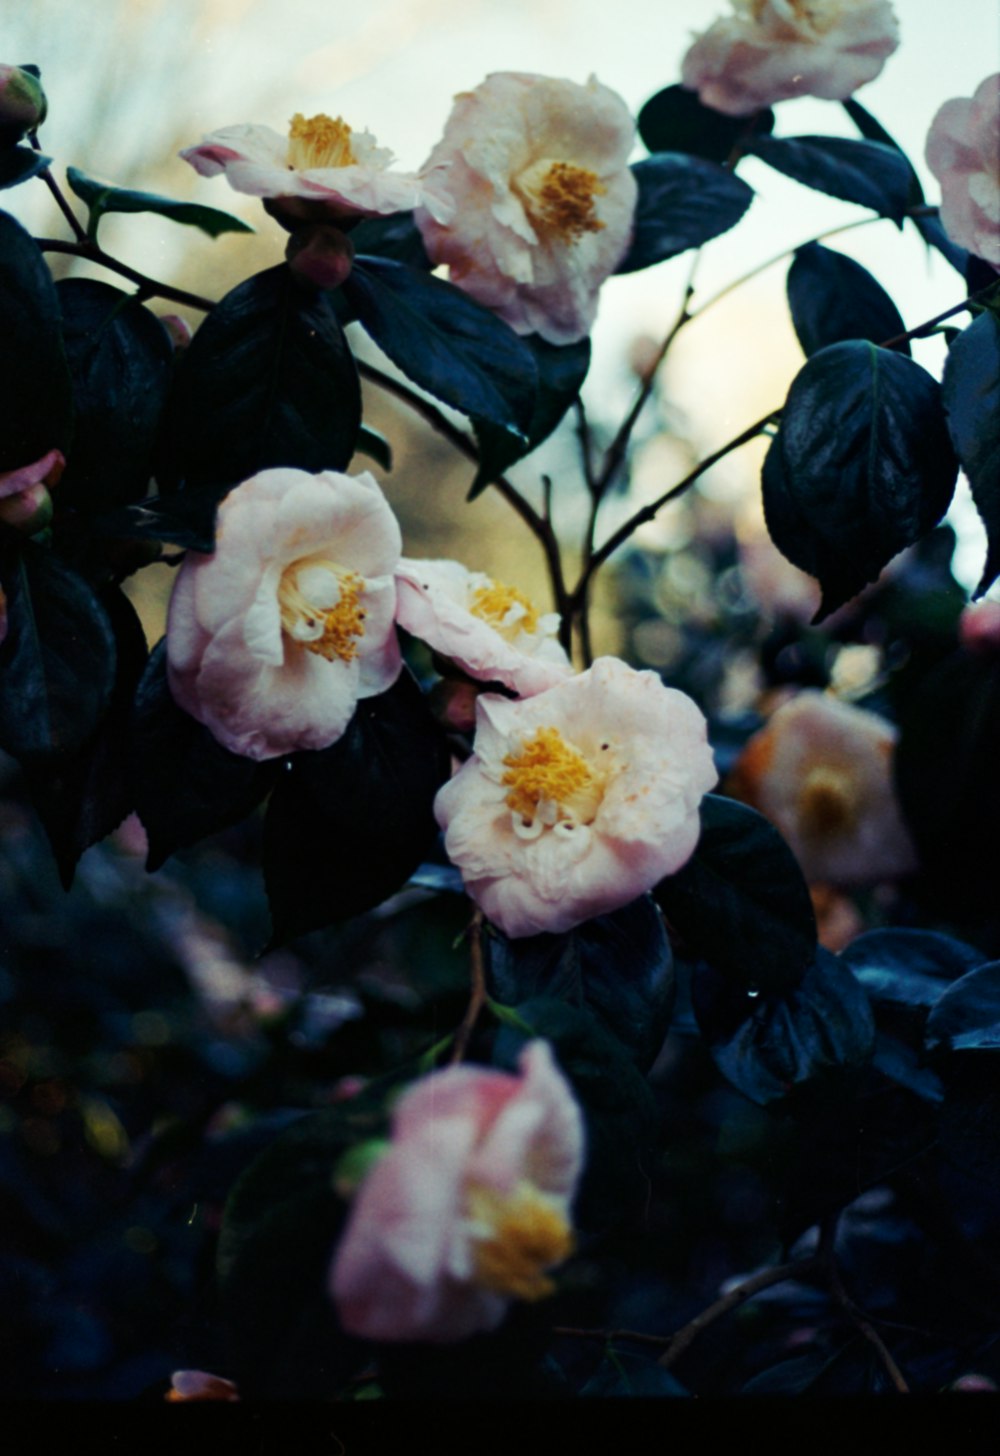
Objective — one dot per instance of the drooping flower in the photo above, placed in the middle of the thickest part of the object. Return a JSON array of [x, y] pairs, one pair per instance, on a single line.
[[492, 631], [963, 152], [320, 169], [821, 771], [273, 638], [25, 503], [772, 50], [577, 800], [468, 1209], [544, 199]]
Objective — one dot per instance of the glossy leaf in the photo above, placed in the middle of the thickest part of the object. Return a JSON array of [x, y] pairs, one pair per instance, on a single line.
[[57, 661], [35, 390], [186, 520], [869, 173], [348, 825], [104, 197], [185, 785], [862, 466], [121, 365], [619, 966], [741, 902], [443, 340], [268, 380], [833, 298], [396, 236], [903, 969], [376, 446], [19, 164], [674, 120], [967, 1017], [971, 394], [683, 202]]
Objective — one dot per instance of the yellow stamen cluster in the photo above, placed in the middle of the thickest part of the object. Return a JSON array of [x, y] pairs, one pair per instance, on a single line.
[[564, 202], [827, 801], [329, 631], [493, 604], [548, 768], [821, 15], [529, 1235], [319, 141]]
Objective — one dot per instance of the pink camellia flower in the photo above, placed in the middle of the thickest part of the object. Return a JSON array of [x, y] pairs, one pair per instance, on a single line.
[[469, 1207], [544, 199], [821, 771], [492, 631], [25, 503], [577, 800], [321, 161], [273, 638], [772, 50], [963, 152]]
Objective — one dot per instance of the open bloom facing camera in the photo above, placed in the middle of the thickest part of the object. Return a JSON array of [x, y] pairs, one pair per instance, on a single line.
[[342, 173], [772, 50], [578, 800], [538, 169], [963, 152], [273, 638], [469, 1207]]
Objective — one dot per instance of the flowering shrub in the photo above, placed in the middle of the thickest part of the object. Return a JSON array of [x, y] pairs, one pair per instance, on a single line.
[[963, 146]]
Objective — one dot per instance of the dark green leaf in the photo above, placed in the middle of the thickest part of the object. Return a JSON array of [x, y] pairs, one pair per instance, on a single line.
[[121, 365], [683, 202], [833, 298], [82, 798], [443, 340], [741, 902], [268, 380], [624, 1373], [871, 174], [862, 466], [971, 393], [348, 825], [35, 390], [102, 197], [396, 236], [57, 662], [371, 443], [774, 1046], [18, 164], [186, 520], [674, 120], [185, 785], [904, 971], [967, 1017], [561, 372], [619, 966]]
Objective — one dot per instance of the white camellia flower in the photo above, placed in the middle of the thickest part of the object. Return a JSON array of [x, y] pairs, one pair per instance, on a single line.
[[772, 50], [577, 800], [273, 638], [963, 152], [321, 161], [492, 631], [538, 169]]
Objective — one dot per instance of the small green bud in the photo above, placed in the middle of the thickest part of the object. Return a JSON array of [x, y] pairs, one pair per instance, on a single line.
[[23, 106]]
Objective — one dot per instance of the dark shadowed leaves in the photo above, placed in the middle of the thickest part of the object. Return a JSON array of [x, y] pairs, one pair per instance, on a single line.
[[121, 364], [683, 202], [674, 120], [967, 1017], [18, 164], [741, 902], [869, 173], [186, 520], [906, 972], [396, 236], [619, 966], [185, 785], [862, 466], [625, 1373], [268, 380], [443, 340], [35, 390], [971, 393], [775, 1046], [102, 197], [348, 825], [833, 298], [57, 662]]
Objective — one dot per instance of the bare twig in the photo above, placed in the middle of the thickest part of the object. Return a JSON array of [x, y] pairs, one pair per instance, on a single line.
[[150, 287], [477, 995]]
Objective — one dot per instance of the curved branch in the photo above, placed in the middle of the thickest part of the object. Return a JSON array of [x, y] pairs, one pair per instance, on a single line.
[[149, 286]]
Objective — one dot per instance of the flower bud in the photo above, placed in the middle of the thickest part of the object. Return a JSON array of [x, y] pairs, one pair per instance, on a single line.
[[320, 255], [453, 703], [979, 627], [30, 511], [22, 103], [178, 330]]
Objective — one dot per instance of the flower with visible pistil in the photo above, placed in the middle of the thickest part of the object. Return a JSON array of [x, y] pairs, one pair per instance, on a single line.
[[467, 1209], [577, 800], [492, 631], [322, 169], [538, 169], [273, 638]]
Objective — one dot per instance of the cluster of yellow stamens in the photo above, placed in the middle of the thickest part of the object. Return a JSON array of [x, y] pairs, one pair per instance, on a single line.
[[321, 609], [827, 801], [564, 203], [551, 780], [496, 604], [822, 15], [319, 141], [528, 1235]]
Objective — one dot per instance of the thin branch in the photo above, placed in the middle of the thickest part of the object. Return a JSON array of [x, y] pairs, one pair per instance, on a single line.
[[477, 995], [149, 286], [864, 1326], [795, 1269], [586, 443]]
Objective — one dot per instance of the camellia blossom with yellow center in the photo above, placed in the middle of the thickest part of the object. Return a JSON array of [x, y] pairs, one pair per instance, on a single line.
[[773, 50], [821, 771], [538, 169], [322, 162], [274, 637], [492, 631], [468, 1209], [578, 800]]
